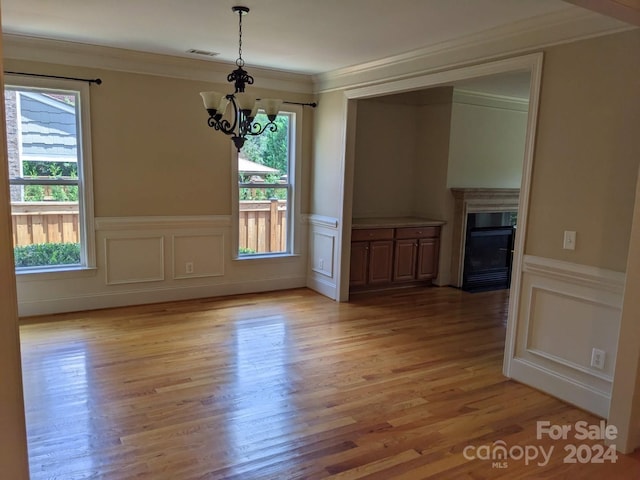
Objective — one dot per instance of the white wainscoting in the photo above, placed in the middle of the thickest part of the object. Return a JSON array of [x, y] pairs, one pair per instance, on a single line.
[[134, 260], [144, 260], [205, 253], [323, 233], [566, 310]]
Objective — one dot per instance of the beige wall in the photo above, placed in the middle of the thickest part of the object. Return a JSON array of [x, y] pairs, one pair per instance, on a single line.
[[13, 454], [431, 195], [385, 156], [328, 155], [153, 153], [587, 151], [432, 198], [486, 148], [402, 154]]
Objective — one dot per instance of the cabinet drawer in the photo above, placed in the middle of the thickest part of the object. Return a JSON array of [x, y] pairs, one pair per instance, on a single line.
[[417, 232], [372, 234]]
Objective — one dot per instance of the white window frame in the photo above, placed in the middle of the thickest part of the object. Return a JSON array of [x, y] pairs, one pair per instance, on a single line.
[[86, 222], [293, 198]]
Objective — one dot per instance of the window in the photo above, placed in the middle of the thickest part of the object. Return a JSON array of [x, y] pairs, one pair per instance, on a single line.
[[266, 189], [49, 173]]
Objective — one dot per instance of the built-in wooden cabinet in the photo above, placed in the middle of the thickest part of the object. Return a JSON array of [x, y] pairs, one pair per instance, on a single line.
[[404, 265], [428, 255], [371, 257], [392, 257]]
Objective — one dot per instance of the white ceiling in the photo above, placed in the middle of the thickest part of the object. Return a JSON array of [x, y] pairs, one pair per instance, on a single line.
[[306, 36]]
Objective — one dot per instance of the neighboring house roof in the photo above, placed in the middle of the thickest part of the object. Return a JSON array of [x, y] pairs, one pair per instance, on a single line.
[[48, 128], [247, 167]]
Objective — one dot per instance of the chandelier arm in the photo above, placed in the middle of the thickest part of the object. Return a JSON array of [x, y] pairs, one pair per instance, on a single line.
[[224, 125], [257, 128]]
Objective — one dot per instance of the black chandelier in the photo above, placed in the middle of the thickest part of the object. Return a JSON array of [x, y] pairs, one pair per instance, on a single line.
[[244, 107]]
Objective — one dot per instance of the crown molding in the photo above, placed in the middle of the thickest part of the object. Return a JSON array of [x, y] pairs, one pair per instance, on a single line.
[[564, 26], [482, 99], [20, 47]]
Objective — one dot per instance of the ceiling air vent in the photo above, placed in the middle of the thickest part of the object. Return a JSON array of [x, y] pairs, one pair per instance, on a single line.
[[205, 53]]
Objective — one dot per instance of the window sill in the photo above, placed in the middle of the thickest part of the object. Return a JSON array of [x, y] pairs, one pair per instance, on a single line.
[[37, 274], [267, 258]]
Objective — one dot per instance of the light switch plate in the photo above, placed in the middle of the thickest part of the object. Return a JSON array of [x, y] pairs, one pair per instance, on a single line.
[[569, 240], [597, 358]]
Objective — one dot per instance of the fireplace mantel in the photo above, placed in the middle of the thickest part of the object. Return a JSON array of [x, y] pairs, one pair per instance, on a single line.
[[490, 196], [475, 200]]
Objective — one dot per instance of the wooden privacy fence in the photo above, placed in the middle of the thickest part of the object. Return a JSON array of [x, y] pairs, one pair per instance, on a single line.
[[263, 224], [44, 222]]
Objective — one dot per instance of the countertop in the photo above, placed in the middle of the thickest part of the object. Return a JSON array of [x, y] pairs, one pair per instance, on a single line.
[[394, 222]]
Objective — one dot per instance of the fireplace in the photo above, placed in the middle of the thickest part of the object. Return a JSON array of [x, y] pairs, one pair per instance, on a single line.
[[488, 251], [490, 214]]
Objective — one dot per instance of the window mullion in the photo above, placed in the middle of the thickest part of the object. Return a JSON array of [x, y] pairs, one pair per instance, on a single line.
[[43, 181], [263, 185]]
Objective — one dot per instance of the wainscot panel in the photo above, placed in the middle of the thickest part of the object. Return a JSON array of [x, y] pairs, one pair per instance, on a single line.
[[323, 258], [198, 255], [134, 259], [560, 301]]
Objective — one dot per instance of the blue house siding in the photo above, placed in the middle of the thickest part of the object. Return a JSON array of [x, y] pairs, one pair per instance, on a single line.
[[48, 128]]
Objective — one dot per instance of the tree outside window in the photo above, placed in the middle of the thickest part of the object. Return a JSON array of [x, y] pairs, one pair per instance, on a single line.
[[265, 187]]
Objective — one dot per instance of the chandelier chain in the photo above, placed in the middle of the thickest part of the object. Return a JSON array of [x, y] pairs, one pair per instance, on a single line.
[[240, 61]]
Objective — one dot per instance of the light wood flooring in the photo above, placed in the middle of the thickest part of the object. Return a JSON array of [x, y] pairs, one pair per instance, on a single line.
[[287, 385]]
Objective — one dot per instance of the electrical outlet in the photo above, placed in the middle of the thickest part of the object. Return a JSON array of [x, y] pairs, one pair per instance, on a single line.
[[321, 263], [597, 358], [188, 267], [569, 240]]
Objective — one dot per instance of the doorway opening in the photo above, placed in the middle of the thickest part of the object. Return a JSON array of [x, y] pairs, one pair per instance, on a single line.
[[528, 68]]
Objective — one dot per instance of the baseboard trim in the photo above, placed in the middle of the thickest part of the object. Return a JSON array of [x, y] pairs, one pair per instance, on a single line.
[[153, 295], [323, 287], [560, 386]]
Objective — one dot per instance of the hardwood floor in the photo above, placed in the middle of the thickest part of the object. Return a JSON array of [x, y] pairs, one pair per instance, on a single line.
[[289, 385]]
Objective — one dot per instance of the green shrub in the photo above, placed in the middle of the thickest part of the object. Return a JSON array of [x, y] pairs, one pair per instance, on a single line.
[[246, 251], [43, 254]]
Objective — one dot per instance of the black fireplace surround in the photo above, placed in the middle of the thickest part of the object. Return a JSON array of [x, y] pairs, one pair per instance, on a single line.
[[488, 251]]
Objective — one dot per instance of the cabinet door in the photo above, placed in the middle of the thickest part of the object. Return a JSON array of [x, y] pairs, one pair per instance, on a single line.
[[380, 261], [358, 264], [428, 257], [404, 268]]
